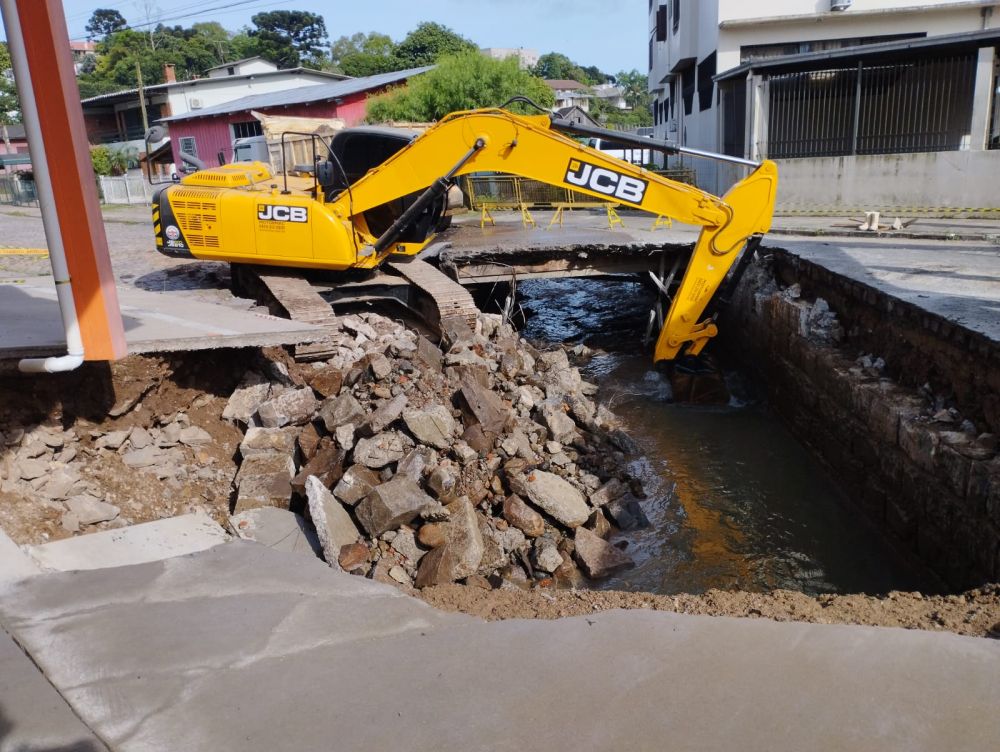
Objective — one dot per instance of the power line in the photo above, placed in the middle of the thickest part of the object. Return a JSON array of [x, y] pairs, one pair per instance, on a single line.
[[232, 7]]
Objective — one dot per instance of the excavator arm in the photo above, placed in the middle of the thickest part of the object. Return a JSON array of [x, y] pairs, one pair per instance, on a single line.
[[530, 146]]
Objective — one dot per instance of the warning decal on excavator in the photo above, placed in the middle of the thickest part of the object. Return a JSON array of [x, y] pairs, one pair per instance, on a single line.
[[608, 182]]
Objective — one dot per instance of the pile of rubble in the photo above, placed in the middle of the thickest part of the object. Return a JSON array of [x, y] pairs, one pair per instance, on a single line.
[[62, 469], [487, 463]]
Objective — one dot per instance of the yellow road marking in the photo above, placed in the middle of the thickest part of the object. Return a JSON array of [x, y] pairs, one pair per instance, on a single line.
[[24, 252]]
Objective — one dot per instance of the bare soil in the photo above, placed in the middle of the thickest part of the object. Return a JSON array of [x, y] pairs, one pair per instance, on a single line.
[[975, 613]]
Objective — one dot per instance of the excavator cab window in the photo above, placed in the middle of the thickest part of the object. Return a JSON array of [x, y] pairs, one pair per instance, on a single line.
[[361, 149]]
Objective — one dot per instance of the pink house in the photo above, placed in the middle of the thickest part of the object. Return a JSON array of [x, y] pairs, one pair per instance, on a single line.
[[209, 132], [14, 149]]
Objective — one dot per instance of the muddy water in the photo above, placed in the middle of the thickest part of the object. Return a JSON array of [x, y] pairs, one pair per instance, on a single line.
[[735, 501]]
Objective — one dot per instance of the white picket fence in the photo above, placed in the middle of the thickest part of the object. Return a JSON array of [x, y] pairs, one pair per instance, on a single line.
[[127, 189]]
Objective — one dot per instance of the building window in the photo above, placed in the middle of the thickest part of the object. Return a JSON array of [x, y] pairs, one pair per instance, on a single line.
[[753, 52], [706, 69], [675, 15], [661, 24], [687, 88], [247, 129], [189, 146]]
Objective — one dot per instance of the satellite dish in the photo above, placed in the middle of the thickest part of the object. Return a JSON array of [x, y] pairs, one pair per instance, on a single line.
[[156, 133]]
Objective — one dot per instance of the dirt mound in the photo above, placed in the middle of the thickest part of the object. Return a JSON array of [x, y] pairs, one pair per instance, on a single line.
[[975, 613]]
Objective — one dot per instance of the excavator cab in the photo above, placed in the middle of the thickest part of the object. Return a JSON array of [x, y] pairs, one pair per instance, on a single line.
[[356, 151]]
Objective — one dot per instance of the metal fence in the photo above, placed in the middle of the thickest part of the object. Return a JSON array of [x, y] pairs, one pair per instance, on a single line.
[[511, 192], [127, 189], [893, 108], [14, 190]]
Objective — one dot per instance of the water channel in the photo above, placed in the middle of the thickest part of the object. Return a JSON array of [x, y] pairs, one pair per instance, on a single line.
[[734, 500]]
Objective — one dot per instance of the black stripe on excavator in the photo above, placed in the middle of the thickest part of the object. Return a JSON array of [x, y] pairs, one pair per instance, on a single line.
[[170, 240]]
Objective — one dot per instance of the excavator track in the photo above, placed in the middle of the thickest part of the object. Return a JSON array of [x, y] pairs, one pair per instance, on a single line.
[[287, 292], [443, 304], [453, 303]]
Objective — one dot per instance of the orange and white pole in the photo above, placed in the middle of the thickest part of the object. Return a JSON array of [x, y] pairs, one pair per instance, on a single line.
[[64, 178]]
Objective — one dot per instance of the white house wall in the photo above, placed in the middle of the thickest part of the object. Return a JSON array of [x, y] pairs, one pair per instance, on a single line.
[[221, 90], [725, 26]]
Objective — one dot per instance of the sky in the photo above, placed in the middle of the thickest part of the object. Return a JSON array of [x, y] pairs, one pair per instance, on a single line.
[[611, 34]]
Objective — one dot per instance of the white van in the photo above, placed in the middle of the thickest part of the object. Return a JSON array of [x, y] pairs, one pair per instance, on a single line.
[[626, 152]]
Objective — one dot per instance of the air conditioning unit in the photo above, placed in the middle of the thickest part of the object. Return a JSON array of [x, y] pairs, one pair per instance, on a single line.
[[838, 5], [196, 103]]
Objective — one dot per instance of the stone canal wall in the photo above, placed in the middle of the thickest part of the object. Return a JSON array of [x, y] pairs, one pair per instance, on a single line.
[[900, 405]]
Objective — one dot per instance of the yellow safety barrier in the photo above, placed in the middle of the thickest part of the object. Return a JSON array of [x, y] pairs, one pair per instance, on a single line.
[[662, 221], [614, 219]]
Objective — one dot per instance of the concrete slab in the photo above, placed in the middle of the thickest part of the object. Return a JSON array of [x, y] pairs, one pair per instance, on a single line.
[[150, 541], [958, 281], [242, 647], [33, 715], [278, 529], [154, 322], [15, 564]]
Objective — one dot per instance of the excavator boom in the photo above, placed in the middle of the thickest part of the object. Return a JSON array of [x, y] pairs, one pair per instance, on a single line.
[[323, 228]]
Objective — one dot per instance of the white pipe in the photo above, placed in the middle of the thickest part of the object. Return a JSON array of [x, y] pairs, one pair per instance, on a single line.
[[46, 202]]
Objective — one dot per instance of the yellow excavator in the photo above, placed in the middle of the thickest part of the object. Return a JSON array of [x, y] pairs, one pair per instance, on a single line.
[[379, 193]]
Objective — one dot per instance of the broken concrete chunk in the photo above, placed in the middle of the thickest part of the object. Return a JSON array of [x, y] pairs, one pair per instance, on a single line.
[[140, 438], [381, 450], [327, 382], [627, 513], [307, 441], [443, 481], [380, 367], [482, 407], [243, 403], [560, 426], [293, 407], [344, 436], [432, 425], [547, 557], [613, 489], [416, 462], [193, 436], [89, 511], [340, 410], [462, 551], [386, 507], [334, 525], [356, 484], [405, 544], [141, 458], [383, 416], [327, 464], [264, 480], [113, 440], [523, 517], [31, 469], [428, 354], [354, 556], [276, 528], [598, 557], [556, 497]]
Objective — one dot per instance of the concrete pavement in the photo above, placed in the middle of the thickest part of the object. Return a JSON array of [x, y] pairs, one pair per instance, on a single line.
[[154, 322], [243, 647], [960, 282]]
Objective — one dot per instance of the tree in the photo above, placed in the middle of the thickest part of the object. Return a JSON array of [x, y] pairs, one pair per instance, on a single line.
[[364, 54], [104, 22], [429, 42], [289, 38], [555, 65], [10, 106], [459, 82], [635, 88]]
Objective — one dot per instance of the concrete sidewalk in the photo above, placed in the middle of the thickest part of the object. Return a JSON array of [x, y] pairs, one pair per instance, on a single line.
[[154, 322], [244, 648]]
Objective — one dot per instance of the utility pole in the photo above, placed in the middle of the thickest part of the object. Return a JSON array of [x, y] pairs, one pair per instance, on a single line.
[[142, 98]]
